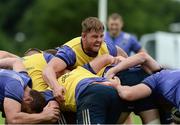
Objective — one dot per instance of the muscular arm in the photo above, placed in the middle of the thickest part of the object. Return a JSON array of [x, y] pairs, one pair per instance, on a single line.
[[131, 93], [4, 54], [100, 62], [50, 73], [52, 70], [14, 115], [14, 63], [128, 63], [147, 62]]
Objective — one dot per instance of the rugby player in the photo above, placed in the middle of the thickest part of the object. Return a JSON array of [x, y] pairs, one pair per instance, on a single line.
[[34, 69], [164, 82], [78, 52], [18, 102], [122, 39]]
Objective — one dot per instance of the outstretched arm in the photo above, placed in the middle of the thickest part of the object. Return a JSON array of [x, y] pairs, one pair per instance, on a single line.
[[131, 93], [4, 54], [102, 61], [142, 58], [13, 63]]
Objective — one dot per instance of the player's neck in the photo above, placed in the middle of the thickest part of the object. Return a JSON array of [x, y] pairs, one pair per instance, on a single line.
[[88, 52]]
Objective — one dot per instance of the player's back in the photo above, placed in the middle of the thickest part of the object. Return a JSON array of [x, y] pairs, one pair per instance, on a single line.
[[75, 82], [168, 84], [34, 65], [12, 83]]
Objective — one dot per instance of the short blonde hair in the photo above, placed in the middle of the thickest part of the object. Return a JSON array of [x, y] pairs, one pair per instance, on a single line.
[[115, 16]]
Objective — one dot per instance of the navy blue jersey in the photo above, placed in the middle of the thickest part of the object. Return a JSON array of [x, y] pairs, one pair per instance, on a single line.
[[47, 56], [12, 85], [48, 95], [166, 83]]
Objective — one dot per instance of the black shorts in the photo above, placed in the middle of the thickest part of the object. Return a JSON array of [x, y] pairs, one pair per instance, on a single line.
[[98, 104]]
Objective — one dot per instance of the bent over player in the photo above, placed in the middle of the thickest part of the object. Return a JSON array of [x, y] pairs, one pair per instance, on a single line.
[[18, 102]]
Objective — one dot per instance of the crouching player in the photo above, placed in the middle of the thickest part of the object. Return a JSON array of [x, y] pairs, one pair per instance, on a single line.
[[18, 102]]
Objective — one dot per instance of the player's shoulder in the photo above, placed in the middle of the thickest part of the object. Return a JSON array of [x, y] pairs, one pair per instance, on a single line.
[[74, 42], [127, 35]]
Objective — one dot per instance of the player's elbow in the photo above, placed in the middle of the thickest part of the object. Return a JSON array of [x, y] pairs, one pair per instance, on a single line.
[[128, 95], [143, 55], [13, 120]]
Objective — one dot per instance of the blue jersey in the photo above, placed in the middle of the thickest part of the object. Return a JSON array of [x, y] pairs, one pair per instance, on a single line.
[[12, 85], [125, 41], [47, 56], [166, 83]]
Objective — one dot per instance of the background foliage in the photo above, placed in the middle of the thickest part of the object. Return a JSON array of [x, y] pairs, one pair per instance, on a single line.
[[50, 23]]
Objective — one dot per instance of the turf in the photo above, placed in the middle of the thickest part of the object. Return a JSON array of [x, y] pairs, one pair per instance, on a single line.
[[1, 120], [136, 120]]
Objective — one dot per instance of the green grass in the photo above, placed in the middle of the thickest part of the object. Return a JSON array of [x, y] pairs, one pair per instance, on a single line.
[[1, 119], [136, 119]]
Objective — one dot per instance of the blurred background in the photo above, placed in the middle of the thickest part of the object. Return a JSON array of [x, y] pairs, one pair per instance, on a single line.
[[49, 23]]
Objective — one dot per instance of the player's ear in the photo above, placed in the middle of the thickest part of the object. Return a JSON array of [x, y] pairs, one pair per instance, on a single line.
[[83, 35], [27, 99]]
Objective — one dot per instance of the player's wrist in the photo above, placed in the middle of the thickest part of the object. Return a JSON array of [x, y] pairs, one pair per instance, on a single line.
[[55, 86]]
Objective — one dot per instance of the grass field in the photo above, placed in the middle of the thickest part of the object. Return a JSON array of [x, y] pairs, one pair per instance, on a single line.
[[136, 120], [1, 120]]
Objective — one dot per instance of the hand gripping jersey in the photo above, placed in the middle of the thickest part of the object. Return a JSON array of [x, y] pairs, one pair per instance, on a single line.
[[75, 83]]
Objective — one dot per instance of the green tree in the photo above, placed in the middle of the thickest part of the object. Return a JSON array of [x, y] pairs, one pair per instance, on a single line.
[[50, 23]]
